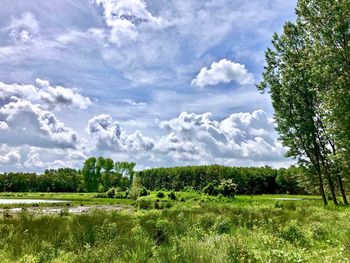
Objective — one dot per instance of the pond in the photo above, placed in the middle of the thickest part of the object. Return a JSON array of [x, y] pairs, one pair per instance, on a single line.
[[29, 201]]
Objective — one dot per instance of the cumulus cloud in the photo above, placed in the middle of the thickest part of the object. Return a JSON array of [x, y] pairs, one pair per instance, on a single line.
[[194, 137], [223, 71], [110, 137], [29, 124], [33, 160], [124, 17], [240, 136], [43, 93], [13, 157]]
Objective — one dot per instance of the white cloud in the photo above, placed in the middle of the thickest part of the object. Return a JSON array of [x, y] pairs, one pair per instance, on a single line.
[[43, 93], [240, 136], [223, 71], [29, 124], [134, 103], [33, 161], [109, 136], [249, 137], [24, 29], [13, 157], [124, 17]]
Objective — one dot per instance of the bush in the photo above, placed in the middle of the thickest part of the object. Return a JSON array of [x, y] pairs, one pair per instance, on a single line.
[[100, 195], [160, 194], [293, 234], [111, 193], [227, 187], [223, 225], [210, 189], [162, 231], [143, 203], [143, 192], [172, 195]]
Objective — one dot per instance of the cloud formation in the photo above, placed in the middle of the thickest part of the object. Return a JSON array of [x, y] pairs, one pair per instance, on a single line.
[[25, 123], [223, 71], [196, 137], [43, 93], [12, 157], [240, 136], [109, 136], [124, 16]]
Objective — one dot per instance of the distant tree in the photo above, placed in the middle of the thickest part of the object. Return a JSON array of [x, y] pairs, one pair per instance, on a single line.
[[136, 188], [91, 174], [126, 169]]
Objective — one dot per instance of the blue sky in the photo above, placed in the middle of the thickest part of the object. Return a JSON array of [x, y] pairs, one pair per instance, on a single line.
[[160, 83]]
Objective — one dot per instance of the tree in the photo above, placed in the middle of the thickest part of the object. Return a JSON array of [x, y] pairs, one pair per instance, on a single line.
[[126, 169], [90, 173], [328, 27], [294, 81], [136, 187]]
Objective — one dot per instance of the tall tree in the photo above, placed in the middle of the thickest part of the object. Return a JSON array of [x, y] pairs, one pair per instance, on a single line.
[[90, 174], [301, 90], [126, 169], [328, 26]]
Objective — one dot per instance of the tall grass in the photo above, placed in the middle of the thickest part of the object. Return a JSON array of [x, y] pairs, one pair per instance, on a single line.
[[191, 231]]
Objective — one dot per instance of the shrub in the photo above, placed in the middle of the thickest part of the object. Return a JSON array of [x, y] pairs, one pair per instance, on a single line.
[[162, 231], [279, 204], [111, 193], [100, 195], [223, 225], [210, 189], [160, 194], [293, 234], [290, 205], [172, 195], [227, 187], [143, 203], [143, 192]]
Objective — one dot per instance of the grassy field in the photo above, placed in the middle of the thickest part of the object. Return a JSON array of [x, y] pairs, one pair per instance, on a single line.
[[192, 228]]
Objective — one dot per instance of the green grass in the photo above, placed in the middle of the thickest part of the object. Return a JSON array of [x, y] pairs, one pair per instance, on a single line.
[[73, 199], [196, 228]]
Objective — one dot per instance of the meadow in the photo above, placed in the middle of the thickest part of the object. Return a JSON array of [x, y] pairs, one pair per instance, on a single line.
[[187, 227]]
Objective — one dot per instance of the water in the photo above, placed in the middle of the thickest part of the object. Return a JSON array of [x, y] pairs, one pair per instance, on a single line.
[[28, 201]]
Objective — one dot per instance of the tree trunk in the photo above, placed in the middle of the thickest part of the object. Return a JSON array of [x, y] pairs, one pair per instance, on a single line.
[[331, 187], [320, 182], [324, 198], [341, 186]]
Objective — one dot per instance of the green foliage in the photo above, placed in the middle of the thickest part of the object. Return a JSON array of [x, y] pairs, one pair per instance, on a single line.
[[144, 203], [223, 226], [227, 188], [210, 189], [111, 193], [172, 195], [160, 194], [143, 192], [240, 231], [307, 76], [255, 180], [293, 233], [136, 188]]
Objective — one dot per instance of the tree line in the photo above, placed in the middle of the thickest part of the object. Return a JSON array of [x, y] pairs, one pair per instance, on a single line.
[[97, 175], [249, 180], [307, 74], [101, 174]]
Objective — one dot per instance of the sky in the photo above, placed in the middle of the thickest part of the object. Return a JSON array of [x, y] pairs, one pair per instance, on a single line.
[[159, 83]]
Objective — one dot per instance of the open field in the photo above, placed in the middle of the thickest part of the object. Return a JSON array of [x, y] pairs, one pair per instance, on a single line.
[[192, 228]]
